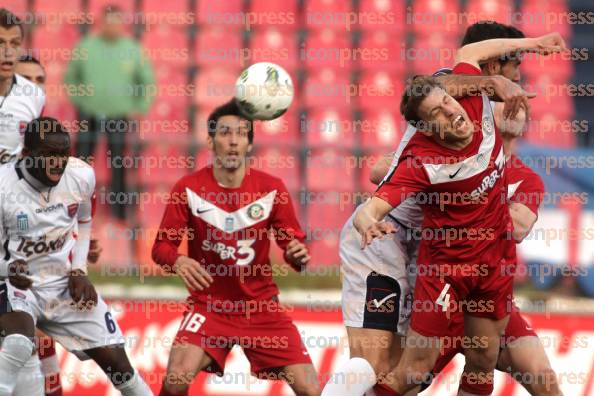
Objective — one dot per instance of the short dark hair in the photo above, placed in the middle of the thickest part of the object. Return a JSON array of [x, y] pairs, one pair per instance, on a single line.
[[29, 59], [229, 108], [36, 129], [9, 20], [416, 91], [487, 30]]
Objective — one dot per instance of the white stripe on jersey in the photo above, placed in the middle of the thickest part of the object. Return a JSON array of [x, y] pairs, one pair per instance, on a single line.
[[247, 216]]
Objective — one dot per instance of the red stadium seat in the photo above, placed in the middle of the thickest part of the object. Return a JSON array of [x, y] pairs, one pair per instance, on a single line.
[[540, 17], [215, 86], [226, 13], [54, 43], [200, 123], [383, 14], [368, 160], [165, 7], [383, 50], [219, 44], [58, 6], [430, 53], [274, 45], [558, 103], [280, 162], [167, 45], [166, 121], [203, 158], [381, 129], [557, 66], [327, 87], [282, 14], [495, 10], [162, 164], [328, 127], [330, 169], [379, 89], [435, 16], [552, 130], [174, 76], [283, 131], [18, 7], [325, 219], [321, 14], [327, 48]]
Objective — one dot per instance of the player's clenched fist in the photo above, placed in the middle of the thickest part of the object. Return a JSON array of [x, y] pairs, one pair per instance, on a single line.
[[297, 254], [192, 273], [82, 290], [377, 230], [550, 43], [16, 274]]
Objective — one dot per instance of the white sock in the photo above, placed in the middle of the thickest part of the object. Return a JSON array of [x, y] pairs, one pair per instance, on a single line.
[[16, 351], [355, 377], [135, 387], [30, 381]]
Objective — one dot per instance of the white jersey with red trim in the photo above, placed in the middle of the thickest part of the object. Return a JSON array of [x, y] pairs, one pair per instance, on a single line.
[[41, 226], [21, 105]]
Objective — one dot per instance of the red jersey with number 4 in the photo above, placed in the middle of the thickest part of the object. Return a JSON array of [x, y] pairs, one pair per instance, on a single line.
[[228, 231], [462, 192]]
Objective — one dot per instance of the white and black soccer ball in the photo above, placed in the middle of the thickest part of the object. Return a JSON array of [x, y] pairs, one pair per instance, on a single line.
[[264, 91]]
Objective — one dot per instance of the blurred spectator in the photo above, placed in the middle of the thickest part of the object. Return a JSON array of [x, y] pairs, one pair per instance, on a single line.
[[108, 86]]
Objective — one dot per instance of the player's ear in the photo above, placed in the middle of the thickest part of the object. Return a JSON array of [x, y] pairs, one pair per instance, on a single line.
[[492, 68], [210, 142]]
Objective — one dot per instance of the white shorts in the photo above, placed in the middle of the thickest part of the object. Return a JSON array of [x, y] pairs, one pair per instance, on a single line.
[[375, 288], [53, 314]]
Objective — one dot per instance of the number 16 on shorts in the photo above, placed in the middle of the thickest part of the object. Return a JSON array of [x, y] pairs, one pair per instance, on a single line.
[[192, 322]]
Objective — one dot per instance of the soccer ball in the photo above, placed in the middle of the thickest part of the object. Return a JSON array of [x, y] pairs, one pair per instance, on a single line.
[[264, 91]]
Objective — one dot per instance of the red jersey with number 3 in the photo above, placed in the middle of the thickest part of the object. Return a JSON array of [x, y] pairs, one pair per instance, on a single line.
[[462, 192], [228, 231]]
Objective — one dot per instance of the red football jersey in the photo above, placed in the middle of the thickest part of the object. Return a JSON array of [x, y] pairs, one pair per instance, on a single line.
[[228, 232], [524, 185], [462, 192]]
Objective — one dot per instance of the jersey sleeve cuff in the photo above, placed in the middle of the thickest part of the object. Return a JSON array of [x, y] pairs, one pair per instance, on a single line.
[[467, 68]]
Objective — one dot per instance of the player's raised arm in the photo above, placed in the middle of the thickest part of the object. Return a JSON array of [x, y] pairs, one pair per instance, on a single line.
[[476, 53], [172, 230], [287, 232]]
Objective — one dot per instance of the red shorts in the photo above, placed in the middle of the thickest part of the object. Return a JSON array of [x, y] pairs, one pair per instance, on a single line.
[[442, 291], [517, 327], [269, 340]]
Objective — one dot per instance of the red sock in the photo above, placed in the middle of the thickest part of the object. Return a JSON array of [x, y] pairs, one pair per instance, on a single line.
[[470, 385], [46, 347], [384, 390], [165, 392]]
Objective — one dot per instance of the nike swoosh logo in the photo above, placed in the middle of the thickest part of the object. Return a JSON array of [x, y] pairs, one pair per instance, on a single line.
[[198, 211], [454, 175], [383, 300]]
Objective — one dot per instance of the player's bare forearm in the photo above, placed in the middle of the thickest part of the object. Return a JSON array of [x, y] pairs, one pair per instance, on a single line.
[[513, 126], [459, 85], [523, 220], [381, 167], [373, 211]]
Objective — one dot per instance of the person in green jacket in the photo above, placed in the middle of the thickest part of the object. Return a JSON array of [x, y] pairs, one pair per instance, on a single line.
[[108, 83]]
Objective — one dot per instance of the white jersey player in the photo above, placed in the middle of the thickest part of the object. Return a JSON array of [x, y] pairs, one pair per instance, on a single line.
[[45, 214]]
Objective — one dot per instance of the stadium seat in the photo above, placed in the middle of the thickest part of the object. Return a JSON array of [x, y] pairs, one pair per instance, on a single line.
[[280, 162], [381, 49], [556, 66], [274, 45], [368, 160], [218, 44], [327, 48], [321, 14], [495, 10], [283, 131], [536, 18], [203, 158], [58, 7], [162, 164], [328, 126], [432, 52], [165, 7], [282, 14], [379, 89], [381, 129], [551, 130], [18, 7], [325, 219], [54, 43], [435, 16], [389, 15], [327, 87], [552, 97], [172, 76], [215, 86], [166, 121], [167, 45], [225, 13], [330, 169]]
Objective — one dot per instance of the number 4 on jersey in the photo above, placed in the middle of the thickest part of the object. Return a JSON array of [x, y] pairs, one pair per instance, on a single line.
[[443, 300]]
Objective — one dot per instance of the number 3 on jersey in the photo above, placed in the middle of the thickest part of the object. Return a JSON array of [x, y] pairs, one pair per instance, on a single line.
[[244, 248], [192, 322]]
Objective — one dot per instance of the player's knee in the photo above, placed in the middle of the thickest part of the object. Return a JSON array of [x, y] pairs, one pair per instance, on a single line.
[[307, 388], [180, 374], [417, 371], [17, 349], [484, 359]]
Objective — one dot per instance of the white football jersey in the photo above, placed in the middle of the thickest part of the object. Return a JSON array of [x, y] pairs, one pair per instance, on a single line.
[[41, 227], [23, 103]]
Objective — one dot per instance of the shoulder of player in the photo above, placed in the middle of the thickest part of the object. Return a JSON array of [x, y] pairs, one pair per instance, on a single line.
[[8, 176], [80, 170], [518, 170]]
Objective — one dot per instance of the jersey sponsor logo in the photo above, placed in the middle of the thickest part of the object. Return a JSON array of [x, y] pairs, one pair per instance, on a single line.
[[489, 181], [72, 209], [454, 174], [383, 300], [243, 254], [29, 247], [22, 222], [50, 208], [234, 221]]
